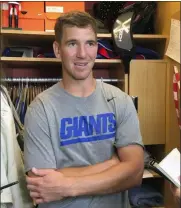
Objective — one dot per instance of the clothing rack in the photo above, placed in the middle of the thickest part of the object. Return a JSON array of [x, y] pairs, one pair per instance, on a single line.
[[39, 80]]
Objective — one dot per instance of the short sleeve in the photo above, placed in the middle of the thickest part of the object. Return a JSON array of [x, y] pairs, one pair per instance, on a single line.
[[38, 150], [128, 129]]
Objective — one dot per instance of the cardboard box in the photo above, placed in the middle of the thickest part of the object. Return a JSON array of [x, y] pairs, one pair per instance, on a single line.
[[31, 16], [53, 10]]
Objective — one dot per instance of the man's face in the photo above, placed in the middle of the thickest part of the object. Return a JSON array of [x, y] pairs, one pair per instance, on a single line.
[[78, 51]]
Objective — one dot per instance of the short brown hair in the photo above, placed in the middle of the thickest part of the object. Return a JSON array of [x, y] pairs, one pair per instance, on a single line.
[[74, 18]]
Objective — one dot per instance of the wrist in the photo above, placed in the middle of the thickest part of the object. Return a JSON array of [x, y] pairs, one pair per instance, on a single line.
[[113, 162], [71, 191]]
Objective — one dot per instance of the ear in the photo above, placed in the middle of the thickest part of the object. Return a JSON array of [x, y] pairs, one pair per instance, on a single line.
[[56, 49]]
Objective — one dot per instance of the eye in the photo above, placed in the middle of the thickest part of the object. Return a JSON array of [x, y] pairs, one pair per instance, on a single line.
[[71, 44], [91, 43]]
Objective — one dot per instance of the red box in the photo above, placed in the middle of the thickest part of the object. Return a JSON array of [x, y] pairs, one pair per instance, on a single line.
[[53, 10]]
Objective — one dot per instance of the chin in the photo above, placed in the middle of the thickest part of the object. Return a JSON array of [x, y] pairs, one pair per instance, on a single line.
[[81, 76]]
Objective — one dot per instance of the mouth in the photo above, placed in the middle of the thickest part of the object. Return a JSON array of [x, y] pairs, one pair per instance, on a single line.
[[80, 64]]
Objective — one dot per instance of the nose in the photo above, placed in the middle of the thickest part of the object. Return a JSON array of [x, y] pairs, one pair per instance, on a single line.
[[81, 51]]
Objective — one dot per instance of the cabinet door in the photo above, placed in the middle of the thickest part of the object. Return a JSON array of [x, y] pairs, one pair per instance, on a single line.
[[147, 80]]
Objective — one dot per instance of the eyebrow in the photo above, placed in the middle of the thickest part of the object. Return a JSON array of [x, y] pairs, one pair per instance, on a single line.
[[74, 40], [94, 41], [71, 40]]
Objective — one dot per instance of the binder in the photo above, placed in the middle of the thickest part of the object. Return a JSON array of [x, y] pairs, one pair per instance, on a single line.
[[168, 168]]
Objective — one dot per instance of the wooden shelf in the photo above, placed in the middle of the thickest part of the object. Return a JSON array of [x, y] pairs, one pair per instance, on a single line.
[[138, 36], [50, 35], [150, 36], [54, 60], [33, 62], [25, 59], [26, 34], [150, 174]]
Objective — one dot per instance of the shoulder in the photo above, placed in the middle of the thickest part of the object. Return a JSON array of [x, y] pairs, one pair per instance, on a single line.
[[111, 88], [122, 102], [112, 91], [39, 105], [45, 97]]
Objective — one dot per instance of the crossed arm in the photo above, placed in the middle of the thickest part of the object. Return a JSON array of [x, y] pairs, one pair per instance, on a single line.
[[108, 177]]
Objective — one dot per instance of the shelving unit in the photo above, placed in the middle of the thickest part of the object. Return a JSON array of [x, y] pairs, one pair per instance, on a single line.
[[40, 38], [112, 66]]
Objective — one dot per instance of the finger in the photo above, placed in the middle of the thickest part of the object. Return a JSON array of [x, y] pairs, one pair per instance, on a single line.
[[172, 188], [32, 188], [34, 194], [38, 201], [41, 172], [33, 181], [177, 192]]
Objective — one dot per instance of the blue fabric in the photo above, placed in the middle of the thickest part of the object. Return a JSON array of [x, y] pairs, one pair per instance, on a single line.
[[145, 196], [148, 53], [23, 109], [106, 44], [18, 99], [106, 50]]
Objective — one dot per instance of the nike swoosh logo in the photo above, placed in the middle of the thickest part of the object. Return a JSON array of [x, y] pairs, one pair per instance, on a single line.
[[110, 99]]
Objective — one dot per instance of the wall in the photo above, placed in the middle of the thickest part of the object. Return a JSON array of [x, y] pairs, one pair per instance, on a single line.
[[164, 13]]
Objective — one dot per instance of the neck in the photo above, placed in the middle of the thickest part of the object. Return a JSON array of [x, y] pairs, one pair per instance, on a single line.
[[79, 88]]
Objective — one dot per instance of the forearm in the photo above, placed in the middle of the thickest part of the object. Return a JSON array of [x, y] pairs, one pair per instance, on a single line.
[[117, 178], [88, 170]]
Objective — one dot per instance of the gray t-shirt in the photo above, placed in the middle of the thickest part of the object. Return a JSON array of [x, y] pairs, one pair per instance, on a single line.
[[62, 130]]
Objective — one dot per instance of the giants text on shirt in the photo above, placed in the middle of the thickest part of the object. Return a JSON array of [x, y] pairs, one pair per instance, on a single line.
[[87, 128]]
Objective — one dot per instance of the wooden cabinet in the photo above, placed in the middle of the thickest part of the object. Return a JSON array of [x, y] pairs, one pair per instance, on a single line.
[[147, 80]]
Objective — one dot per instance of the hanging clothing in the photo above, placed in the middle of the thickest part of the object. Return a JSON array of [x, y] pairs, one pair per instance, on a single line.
[[12, 167], [19, 126], [22, 95], [6, 196]]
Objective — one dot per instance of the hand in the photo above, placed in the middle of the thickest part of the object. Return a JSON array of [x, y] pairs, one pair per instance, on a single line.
[[115, 160], [176, 193], [48, 185]]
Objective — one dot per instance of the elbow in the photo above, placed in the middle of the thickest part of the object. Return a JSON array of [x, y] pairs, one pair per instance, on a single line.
[[139, 177], [138, 180]]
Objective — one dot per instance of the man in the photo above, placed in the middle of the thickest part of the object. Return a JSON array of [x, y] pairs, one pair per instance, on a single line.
[[75, 129], [176, 193]]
